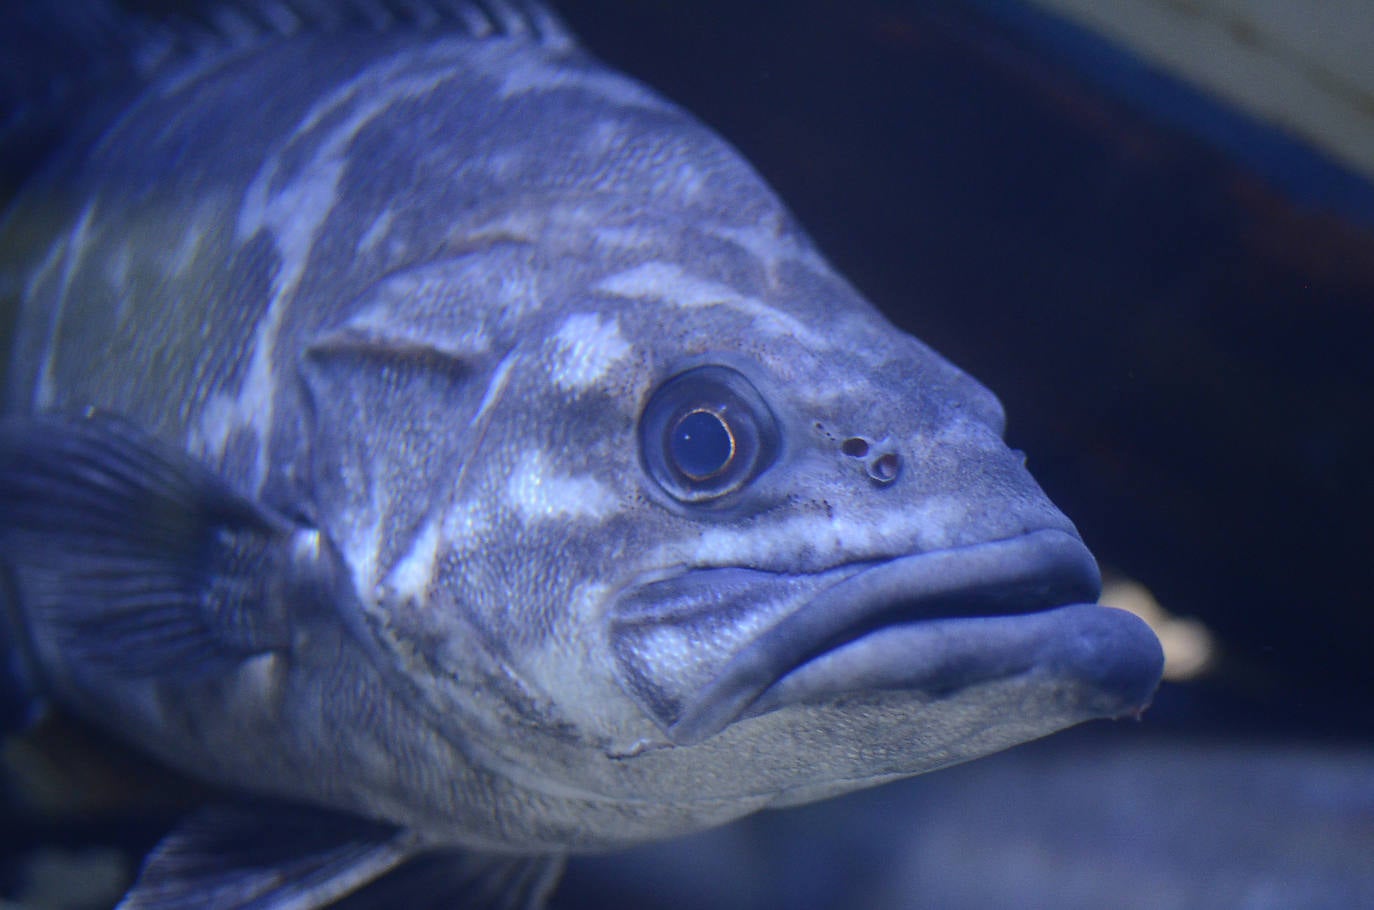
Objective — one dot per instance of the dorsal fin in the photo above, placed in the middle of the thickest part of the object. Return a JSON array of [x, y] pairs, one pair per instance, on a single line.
[[75, 62], [215, 26]]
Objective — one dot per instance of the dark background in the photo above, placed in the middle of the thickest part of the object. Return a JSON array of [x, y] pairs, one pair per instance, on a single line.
[[1175, 304]]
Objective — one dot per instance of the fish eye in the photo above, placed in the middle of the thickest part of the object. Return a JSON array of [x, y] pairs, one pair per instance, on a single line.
[[706, 432]]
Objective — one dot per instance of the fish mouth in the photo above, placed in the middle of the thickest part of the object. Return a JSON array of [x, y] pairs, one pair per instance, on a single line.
[[704, 649]]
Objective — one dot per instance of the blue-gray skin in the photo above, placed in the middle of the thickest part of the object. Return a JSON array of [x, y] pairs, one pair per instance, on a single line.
[[443, 429]]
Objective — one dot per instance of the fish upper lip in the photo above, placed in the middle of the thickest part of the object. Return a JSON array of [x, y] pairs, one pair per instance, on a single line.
[[899, 603]]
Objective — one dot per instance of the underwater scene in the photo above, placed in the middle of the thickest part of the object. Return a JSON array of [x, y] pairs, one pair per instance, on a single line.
[[469, 453]]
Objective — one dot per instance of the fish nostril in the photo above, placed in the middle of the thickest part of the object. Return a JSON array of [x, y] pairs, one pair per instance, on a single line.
[[885, 467], [854, 447]]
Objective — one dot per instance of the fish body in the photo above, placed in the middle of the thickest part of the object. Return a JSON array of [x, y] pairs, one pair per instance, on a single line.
[[430, 425]]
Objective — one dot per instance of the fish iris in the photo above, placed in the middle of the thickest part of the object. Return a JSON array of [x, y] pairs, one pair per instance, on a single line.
[[705, 433]]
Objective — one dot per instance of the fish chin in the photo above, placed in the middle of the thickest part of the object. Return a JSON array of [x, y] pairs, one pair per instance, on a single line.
[[703, 650]]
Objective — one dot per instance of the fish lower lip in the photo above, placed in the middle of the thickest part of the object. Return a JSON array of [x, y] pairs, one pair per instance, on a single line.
[[933, 622], [1111, 655]]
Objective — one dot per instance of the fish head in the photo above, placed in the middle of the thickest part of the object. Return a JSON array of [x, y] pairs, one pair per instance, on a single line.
[[701, 540], [647, 509]]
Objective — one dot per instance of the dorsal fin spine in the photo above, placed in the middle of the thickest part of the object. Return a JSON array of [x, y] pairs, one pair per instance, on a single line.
[[239, 21], [57, 66], [221, 26]]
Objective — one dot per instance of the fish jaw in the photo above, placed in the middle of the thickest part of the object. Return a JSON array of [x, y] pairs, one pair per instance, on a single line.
[[932, 623]]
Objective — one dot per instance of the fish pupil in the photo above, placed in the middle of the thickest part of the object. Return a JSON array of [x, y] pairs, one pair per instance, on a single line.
[[706, 433], [701, 444]]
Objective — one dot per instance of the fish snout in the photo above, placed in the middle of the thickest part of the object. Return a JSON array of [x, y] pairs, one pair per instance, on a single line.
[[710, 647]]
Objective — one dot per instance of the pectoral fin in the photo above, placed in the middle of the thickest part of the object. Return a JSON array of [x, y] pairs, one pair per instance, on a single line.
[[268, 856], [264, 857], [135, 557], [453, 880], [21, 703]]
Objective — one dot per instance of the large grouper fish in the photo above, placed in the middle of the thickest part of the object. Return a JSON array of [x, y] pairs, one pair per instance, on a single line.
[[456, 449]]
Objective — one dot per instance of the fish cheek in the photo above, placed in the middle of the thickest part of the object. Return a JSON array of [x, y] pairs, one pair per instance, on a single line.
[[382, 440]]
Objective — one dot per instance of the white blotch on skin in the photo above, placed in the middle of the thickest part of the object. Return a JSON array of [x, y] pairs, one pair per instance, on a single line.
[[418, 309], [506, 164], [255, 684], [294, 215], [411, 577], [375, 232], [536, 492], [178, 260], [70, 256], [682, 181], [829, 541], [772, 247], [118, 267], [465, 529], [362, 551], [570, 667], [666, 282], [522, 225], [624, 238], [44, 270], [605, 137], [588, 346], [523, 73], [495, 387]]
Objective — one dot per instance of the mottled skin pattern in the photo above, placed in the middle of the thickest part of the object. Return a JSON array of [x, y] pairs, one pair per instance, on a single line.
[[415, 291]]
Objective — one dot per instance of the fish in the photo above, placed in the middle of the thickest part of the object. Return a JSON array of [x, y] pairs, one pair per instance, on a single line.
[[458, 456]]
